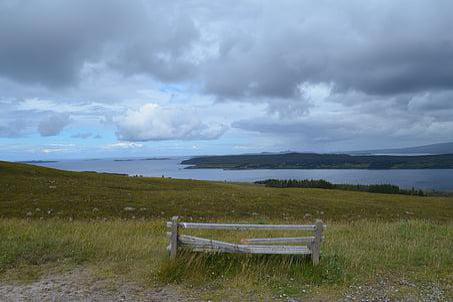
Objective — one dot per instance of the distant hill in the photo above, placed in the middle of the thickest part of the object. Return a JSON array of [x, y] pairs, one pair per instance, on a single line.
[[443, 148], [321, 161]]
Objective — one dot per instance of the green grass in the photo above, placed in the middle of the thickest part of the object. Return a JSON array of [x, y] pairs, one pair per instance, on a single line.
[[54, 221]]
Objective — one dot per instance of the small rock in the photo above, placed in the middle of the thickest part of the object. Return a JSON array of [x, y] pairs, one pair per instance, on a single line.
[[129, 209]]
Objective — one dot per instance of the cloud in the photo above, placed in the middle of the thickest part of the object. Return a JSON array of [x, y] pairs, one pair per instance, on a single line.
[[306, 129], [50, 42], [432, 101], [57, 148], [53, 150], [82, 135], [13, 129], [265, 49], [374, 121], [303, 72], [378, 47], [124, 145], [152, 122], [53, 124]]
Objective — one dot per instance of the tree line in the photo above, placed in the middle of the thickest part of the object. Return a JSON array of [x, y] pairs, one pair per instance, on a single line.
[[324, 184]]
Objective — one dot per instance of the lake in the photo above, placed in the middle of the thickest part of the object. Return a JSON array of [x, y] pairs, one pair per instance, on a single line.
[[426, 179]]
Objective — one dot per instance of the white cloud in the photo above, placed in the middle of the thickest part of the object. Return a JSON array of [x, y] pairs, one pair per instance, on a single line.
[[53, 150], [124, 145], [154, 122], [56, 148]]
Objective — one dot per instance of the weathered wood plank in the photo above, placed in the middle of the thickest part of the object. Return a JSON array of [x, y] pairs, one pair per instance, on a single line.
[[316, 245], [207, 245], [174, 238], [193, 241], [284, 240], [243, 227], [256, 249]]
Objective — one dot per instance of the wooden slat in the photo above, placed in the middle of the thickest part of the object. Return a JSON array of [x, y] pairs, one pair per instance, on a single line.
[[196, 242], [243, 227], [285, 240], [174, 237], [257, 249], [207, 245], [289, 240]]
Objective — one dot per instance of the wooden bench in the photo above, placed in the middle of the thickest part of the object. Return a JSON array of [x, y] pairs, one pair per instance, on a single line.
[[310, 245]]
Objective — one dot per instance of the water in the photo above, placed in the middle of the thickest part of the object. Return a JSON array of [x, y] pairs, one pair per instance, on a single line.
[[426, 179]]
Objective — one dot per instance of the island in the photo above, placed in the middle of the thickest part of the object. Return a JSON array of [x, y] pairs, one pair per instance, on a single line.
[[37, 161], [296, 160]]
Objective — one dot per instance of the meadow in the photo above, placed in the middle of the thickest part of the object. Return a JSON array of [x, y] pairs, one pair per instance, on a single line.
[[380, 245]]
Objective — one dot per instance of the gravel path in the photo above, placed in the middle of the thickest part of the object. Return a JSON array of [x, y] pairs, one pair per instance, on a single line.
[[79, 285], [386, 291]]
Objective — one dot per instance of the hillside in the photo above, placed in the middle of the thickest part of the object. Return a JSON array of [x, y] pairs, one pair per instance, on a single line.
[[82, 236], [321, 161], [442, 148], [34, 192]]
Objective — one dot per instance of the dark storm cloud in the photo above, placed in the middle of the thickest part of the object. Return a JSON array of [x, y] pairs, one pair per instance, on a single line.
[[49, 42], [262, 49], [376, 47], [438, 101]]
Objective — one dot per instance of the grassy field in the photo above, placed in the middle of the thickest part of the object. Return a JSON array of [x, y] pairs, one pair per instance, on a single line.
[[54, 221], [42, 193]]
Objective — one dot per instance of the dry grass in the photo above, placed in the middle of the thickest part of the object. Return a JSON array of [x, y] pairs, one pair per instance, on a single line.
[[113, 247]]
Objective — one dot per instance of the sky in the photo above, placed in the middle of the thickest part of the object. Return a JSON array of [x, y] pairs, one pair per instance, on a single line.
[[114, 78]]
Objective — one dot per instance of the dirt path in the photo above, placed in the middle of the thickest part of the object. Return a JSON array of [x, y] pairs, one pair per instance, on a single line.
[[79, 285]]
